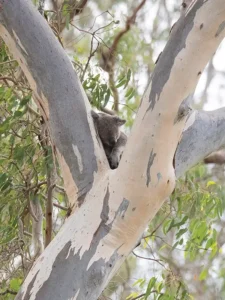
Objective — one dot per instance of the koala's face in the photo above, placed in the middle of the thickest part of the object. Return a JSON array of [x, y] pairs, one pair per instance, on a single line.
[[109, 128]]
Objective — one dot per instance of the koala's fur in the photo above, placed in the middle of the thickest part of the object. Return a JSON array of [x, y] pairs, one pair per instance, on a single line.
[[113, 140]]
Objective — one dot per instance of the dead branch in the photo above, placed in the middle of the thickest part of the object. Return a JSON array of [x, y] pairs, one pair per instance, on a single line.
[[60, 206], [216, 158]]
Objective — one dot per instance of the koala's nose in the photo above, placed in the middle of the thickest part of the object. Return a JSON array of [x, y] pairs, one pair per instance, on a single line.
[[114, 166]]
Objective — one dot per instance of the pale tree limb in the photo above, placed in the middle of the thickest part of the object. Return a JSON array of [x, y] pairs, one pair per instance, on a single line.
[[94, 242], [204, 133], [76, 155]]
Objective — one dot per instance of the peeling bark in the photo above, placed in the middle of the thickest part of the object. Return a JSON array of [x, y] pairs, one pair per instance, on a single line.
[[119, 204]]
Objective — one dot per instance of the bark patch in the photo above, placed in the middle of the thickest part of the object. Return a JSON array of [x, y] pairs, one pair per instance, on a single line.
[[105, 209], [220, 29], [150, 163], [70, 281], [184, 110], [29, 288], [123, 208]]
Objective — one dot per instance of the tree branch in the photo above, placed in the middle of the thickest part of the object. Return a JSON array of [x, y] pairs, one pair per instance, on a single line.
[[60, 206], [68, 122], [8, 292], [216, 158], [204, 133]]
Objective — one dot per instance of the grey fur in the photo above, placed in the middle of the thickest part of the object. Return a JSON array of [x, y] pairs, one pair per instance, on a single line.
[[113, 140]]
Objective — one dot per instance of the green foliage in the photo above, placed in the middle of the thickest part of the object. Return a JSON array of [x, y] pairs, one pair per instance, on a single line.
[[191, 218], [100, 92], [25, 160]]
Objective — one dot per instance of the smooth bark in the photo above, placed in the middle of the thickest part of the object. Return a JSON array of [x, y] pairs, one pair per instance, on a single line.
[[204, 133]]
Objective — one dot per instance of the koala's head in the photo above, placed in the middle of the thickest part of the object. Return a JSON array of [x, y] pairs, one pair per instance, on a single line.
[[108, 127]]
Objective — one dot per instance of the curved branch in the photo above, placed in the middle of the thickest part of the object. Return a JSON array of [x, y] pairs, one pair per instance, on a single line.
[[204, 134], [58, 94]]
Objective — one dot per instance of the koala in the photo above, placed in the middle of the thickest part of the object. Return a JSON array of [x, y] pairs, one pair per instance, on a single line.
[[113, 140]]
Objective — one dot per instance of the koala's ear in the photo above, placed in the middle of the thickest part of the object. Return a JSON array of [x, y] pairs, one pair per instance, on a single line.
[[94, 115], [120, 122]]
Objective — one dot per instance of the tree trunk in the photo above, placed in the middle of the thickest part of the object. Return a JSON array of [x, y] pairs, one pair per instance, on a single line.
[[118, 204]]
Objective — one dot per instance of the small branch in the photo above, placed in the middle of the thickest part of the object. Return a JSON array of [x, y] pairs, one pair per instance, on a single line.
[[60, 188], [37, 186], [107, 111], [8, 62], [157, 227], [129, 22], [216, 158], [92, 53], [15, 164], [27, 233], [114, 91], [60, 206], [147, 258], [5, 78], [8, 292], [142, 295], [30, 109], [138, 297]]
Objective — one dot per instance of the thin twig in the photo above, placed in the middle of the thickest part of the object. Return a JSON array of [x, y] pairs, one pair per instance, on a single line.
[[7, 62], [5, 78], [148, 258], [8, 292], [92, 53], [60, 206]]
